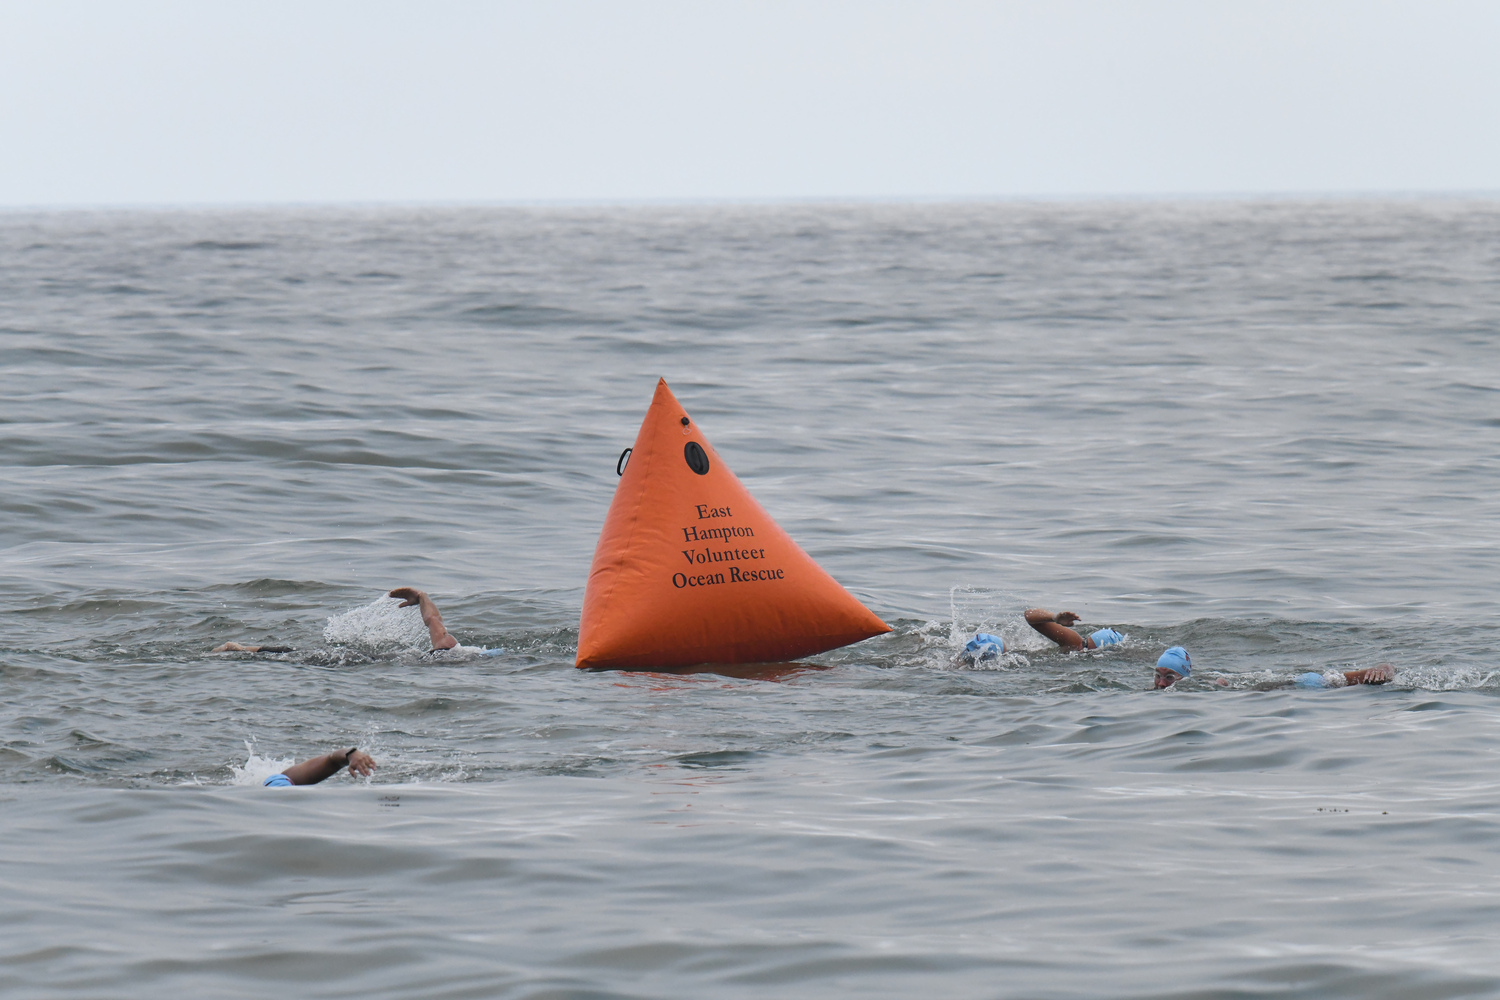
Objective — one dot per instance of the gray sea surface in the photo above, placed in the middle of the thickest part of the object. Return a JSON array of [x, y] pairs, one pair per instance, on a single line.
[[1269, 432]]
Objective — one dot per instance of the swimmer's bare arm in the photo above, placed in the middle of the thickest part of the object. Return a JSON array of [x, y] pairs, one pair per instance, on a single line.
[[1382, 673], [310, 772], [1055, 627], [235, 647], [441, 638]]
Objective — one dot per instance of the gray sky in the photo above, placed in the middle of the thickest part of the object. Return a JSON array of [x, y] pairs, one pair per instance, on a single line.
[[325, 100]]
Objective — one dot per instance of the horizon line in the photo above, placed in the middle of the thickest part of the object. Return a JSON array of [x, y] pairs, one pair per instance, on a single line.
[[1164, 197]]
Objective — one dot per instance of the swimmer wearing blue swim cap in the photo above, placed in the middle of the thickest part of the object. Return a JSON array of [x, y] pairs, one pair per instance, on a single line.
[[983, 647], [1172, 666], [1055, 627], [1175, 664]]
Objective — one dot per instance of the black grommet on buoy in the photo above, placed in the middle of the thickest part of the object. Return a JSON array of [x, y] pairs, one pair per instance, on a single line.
[[685, 421], [624, 461], [697, 459]]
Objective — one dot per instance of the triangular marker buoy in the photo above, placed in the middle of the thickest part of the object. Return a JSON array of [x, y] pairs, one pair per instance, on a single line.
[[690, 569]]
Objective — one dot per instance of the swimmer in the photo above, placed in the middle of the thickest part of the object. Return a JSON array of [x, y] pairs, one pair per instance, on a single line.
[[1055, 627], [441, 637], [1175, 664], [983, 646], [310, 772], [1172, 666]]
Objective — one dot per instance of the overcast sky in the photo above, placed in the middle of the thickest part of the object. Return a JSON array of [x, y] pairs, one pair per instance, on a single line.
[[330, 101]]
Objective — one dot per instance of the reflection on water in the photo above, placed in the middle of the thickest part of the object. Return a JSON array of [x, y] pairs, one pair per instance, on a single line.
[[741, 671]]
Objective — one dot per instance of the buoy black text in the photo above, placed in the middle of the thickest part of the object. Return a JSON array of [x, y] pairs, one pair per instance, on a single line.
[[709, 534], [680, 580], [737, 575], [694, 556]]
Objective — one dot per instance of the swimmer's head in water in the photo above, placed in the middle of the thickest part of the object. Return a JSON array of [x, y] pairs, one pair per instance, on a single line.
[[1106, 637], [1172, 666], [1311, 679], [984, 646]]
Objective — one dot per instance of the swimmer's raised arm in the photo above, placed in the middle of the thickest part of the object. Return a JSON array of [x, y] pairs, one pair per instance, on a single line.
[[1055, 627], [441, 638], [310, 772]]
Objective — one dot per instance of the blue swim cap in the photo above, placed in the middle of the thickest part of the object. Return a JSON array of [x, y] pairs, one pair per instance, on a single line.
[[1177, 659], [278, 781], [1106, 637], [1311, 679], [984, 646]]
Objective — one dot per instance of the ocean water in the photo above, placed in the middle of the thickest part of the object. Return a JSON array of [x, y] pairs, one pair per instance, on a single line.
[[1269, 432]]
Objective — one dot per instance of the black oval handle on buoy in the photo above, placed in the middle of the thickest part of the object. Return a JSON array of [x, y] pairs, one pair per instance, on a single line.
[[623, 461], [697, 459]]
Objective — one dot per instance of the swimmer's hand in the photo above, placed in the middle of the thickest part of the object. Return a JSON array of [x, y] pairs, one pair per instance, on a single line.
[[407, 595], [1065, 618], [1383, 673], [360, 763]]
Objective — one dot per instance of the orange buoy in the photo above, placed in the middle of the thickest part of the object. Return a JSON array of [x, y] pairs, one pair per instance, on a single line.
[[690, 569]]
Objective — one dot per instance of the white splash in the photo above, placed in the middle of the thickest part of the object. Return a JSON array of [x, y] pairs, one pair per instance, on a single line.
[[257, 768], [461, 652], [983, 609], [974, 609], [380, 625]]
